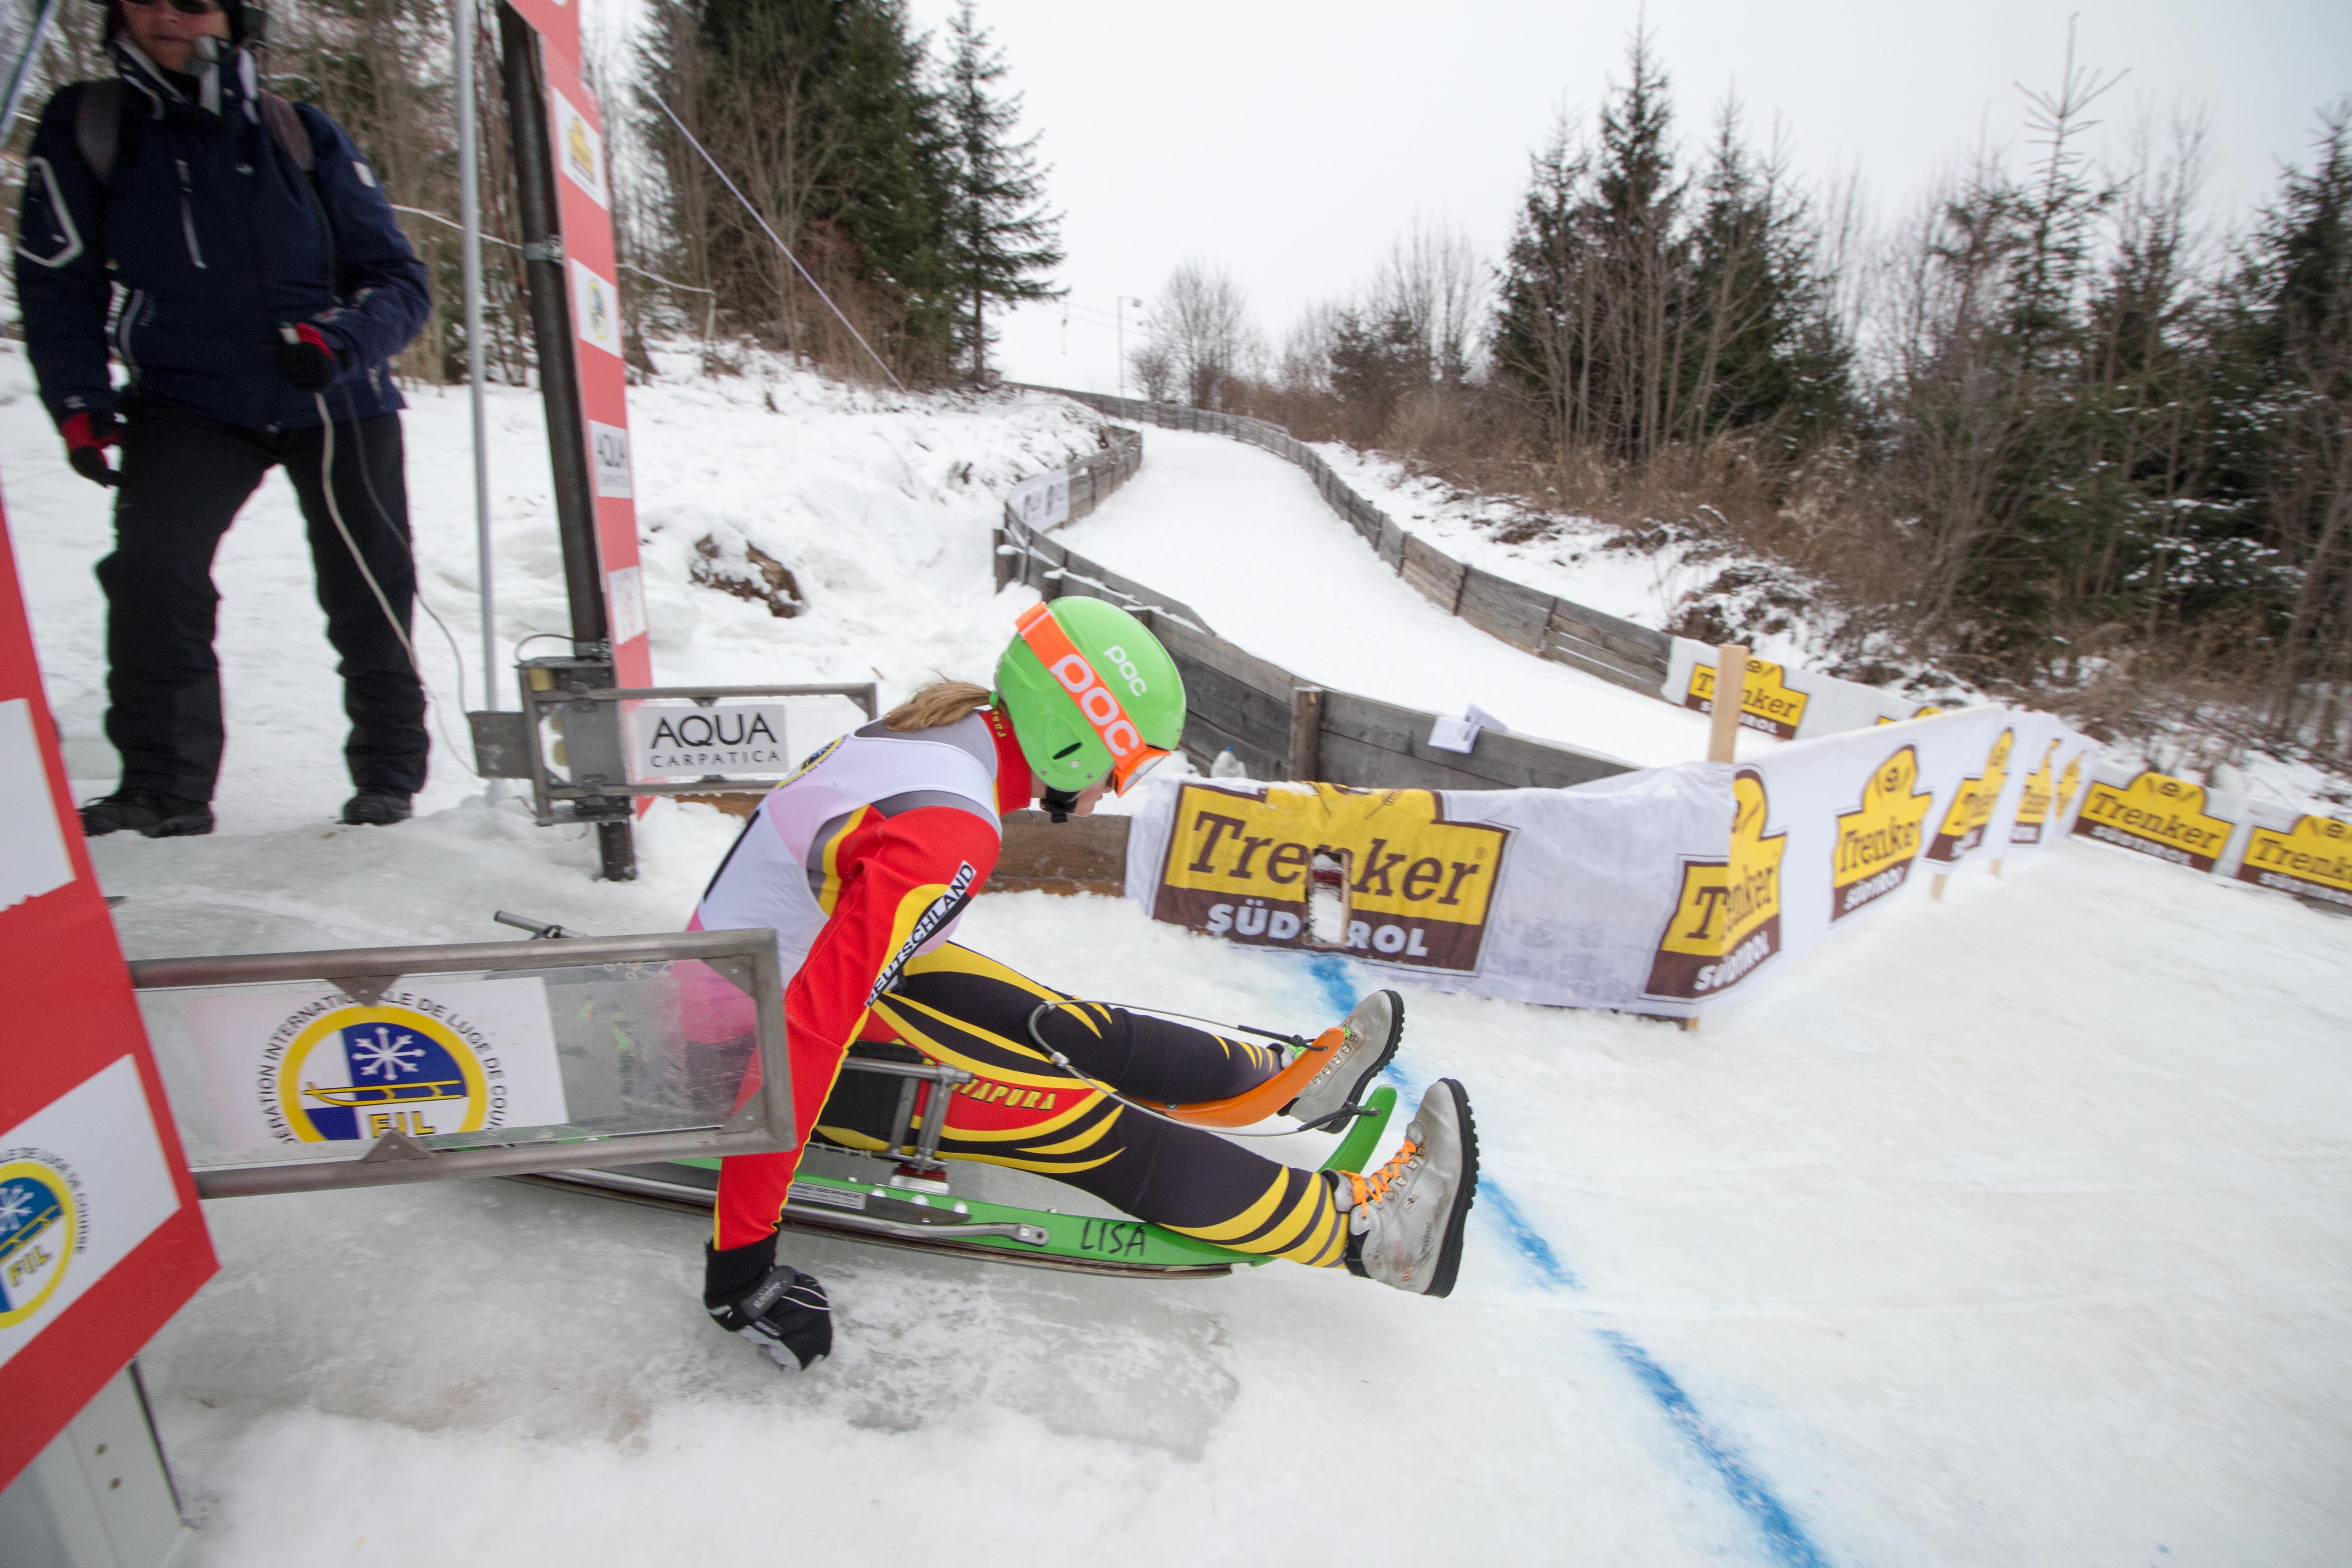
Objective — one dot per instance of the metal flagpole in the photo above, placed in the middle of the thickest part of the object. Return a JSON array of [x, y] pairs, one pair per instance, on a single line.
[[20, 72], [469, 216]]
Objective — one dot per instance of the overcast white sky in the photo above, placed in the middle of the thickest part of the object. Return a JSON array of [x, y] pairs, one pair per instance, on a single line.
[[1288, 140]]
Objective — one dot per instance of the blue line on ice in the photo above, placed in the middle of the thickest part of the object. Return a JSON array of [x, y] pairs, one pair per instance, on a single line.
[[1785, 1538]]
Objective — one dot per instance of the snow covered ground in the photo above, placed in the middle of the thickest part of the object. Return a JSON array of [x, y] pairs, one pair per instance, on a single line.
[[2012, 1229]]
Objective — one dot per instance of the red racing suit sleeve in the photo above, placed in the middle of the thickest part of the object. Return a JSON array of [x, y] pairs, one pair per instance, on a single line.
[[900, 881]]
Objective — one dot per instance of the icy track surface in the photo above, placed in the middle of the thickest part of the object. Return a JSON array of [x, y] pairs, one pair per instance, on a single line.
[[2036, 1250], [1242, 537], [2009, 1230]]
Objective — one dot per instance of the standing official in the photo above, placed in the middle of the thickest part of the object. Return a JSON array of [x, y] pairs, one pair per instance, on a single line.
[[236, 255]]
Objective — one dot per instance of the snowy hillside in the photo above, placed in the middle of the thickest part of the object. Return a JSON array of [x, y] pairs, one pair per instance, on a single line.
[[2007, 1229], [879, 506]]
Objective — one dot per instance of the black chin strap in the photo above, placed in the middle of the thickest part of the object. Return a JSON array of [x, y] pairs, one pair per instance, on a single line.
[[1058, 804]]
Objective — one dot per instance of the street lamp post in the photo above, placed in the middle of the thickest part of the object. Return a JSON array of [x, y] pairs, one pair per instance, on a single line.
[[1123, 302]]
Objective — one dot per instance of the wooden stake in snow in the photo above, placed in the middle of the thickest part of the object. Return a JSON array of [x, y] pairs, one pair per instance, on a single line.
[[1730, 695], [1723, 732]]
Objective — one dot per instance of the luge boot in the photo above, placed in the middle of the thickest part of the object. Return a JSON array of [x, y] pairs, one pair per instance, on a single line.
[[1368, 1042], [1405, 1220]]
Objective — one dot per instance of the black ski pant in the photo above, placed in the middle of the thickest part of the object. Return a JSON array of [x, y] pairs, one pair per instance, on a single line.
[[183, 479]]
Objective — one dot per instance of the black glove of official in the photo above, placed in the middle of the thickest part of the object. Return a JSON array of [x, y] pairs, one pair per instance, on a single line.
[[304, 359], [87, 435]]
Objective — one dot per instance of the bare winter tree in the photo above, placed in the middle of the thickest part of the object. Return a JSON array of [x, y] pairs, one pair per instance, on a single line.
[[1200, 326], [1435, 280]]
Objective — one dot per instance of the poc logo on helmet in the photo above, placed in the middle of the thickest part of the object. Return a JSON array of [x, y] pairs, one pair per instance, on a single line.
[[1096, 701], [1117, 656]]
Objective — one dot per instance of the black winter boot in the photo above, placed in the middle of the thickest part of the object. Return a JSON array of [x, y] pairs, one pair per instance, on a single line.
[[145, 811], [376, 807]]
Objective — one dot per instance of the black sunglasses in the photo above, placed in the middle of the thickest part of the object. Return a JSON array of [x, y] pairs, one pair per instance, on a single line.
[[184, 7]]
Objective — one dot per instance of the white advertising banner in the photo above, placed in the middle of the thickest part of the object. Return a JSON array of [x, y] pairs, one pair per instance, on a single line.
[[82, 1183], [2309, 857], [1785, 703], [2155, 815], [683, 742], [1654, 891], [1847, 821], [289, 1072]]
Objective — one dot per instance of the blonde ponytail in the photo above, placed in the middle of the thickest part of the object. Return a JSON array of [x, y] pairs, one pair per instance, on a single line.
[[940, 702]]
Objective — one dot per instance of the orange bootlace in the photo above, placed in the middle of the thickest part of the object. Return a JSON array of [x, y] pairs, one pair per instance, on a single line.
[[1374, 1188]]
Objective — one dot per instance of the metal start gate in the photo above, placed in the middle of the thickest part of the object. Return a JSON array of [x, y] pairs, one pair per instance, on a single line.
[[298, 1071]]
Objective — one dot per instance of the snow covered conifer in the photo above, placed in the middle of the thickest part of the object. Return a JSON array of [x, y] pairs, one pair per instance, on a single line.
[[1000, 237]]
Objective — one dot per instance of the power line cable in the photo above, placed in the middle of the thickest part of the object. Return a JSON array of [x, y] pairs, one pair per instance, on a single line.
[[739, 195]]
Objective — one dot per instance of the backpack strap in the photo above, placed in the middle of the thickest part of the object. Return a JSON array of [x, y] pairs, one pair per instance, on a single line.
[[293, 137], [97, 125]]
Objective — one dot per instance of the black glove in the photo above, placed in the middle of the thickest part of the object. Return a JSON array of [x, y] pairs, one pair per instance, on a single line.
[[774, 1306], [304, 359], [87, 435]]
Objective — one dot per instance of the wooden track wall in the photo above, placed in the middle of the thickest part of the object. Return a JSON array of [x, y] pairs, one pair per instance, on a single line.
[[1614, 649]]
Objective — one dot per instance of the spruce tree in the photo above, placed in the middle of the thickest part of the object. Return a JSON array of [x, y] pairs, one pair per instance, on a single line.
[[999, 236], [819, 111]]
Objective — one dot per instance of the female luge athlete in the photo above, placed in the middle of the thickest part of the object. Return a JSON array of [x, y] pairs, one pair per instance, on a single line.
[[862, 863]]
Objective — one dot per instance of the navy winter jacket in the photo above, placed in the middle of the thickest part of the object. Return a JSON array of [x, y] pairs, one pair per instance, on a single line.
[[213, 236]]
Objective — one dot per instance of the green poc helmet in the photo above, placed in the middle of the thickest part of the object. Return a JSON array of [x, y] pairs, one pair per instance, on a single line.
[[1089, 691]]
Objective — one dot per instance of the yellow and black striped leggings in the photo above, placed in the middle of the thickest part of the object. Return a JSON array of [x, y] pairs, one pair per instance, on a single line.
[[956, 1007]]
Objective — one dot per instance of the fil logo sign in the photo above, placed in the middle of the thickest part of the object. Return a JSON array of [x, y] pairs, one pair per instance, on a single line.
[[681, 744], [1241, 865], [332, 1074], [596, 308], [41, 1229]]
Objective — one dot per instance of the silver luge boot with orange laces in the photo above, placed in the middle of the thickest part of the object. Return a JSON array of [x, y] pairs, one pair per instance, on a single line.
[[1405, 1220], [1369, 1036]]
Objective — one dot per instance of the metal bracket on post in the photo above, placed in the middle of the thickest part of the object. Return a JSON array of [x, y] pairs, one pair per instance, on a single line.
[[395, 1145], [595, 781]]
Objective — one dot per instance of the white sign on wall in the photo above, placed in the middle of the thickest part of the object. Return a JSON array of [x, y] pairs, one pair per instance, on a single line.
[[1041, 501], [679, 743], [33, 858], [579, 150], [293, 1072], [608, 446], [624, 598], [82, 1183], [596, 308]]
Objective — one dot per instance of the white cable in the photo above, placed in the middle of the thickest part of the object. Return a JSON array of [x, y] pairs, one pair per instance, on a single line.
[[327, 484], [771, 234]]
